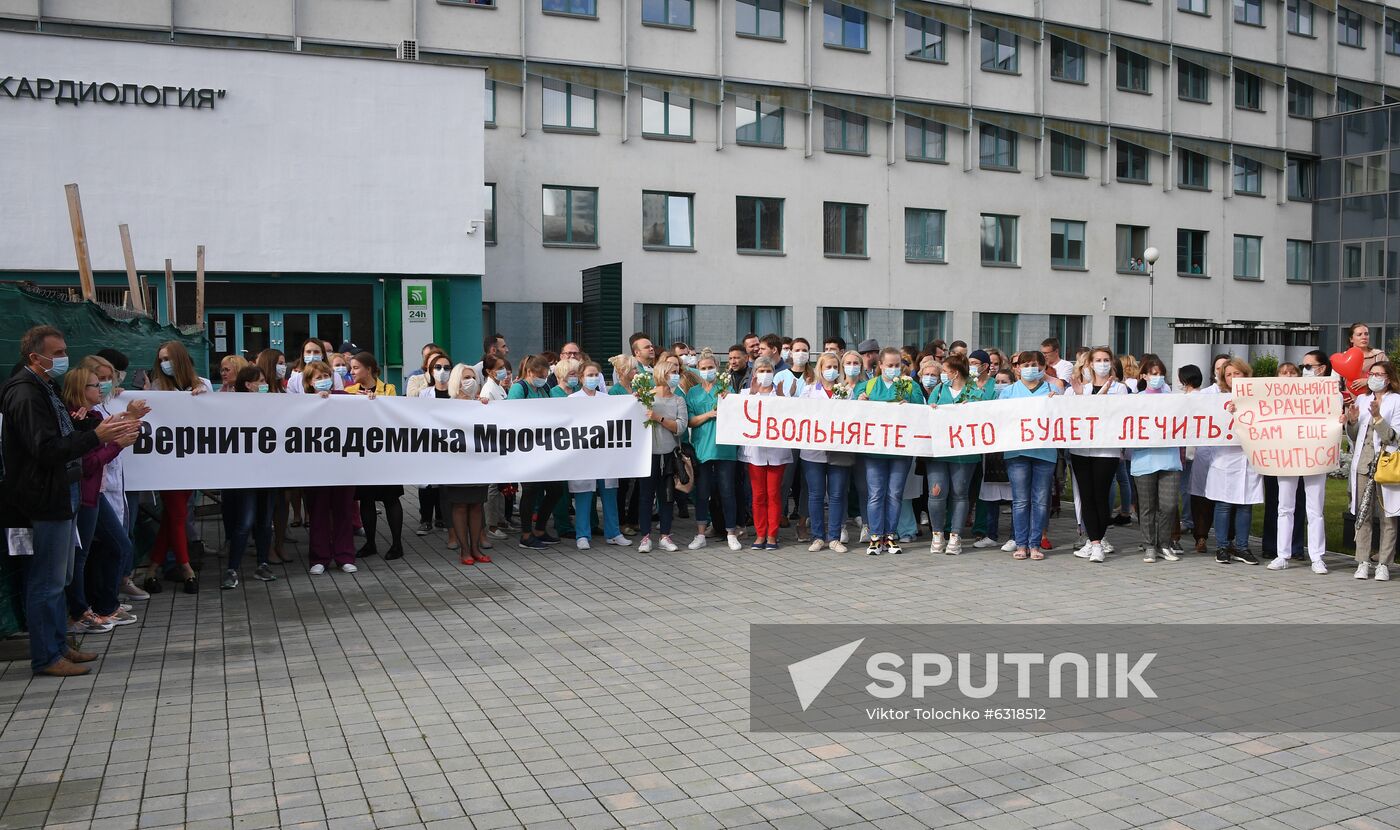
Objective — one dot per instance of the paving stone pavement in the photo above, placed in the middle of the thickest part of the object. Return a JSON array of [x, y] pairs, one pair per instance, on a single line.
[[608, 688]]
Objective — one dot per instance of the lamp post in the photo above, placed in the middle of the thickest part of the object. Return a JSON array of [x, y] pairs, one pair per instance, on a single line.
[[1150, 257]]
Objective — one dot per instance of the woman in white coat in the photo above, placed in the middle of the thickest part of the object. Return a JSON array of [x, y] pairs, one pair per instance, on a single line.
[[1371, 424], [1315, 364], [594, 386], [1234, 486]]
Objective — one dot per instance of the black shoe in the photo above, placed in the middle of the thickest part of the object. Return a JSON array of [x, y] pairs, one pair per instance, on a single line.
[[424, 528], [367, 551], [191, 586], [1120, 519], [151, 585], [1246, 556], [1222, 556], [395, 552], [439, 525]]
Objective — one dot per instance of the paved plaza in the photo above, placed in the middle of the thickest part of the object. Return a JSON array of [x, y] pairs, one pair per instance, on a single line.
[[608, 688]]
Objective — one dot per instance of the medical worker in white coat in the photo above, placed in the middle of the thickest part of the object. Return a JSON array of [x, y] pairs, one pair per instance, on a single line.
[[1371, 424]]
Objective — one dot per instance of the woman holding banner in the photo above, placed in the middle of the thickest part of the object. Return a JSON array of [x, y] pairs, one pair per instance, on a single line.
[[431, 383], [1233, 485], [537, 498], [1315, 364], [885, 474], [1371, 425], [950, 477], [248, 511], [1031, 471], [1157, 476], [364, 370], [273, 365], [462, 505], [331, 536], [852, 365], [1095, 469], [594, 387], [714, 463], [765, 466], [175, 373], [826, 474]]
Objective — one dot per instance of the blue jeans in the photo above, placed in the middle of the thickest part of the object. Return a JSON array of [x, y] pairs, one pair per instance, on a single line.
[[583, 512], [906, 527], [712, 474], [884, 484], [826, 498], [1031, 479], [1123, 477], [952, 481], [107, 549], [992, 512], [247, 512], [1242, 514], [50, 571], [75, 593]]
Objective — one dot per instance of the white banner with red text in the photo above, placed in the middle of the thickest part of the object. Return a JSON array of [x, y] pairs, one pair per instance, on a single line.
[[230, 440], [1289, 426]]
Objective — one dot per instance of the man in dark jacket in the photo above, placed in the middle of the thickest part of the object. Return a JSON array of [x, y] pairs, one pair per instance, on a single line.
[[42, 454]]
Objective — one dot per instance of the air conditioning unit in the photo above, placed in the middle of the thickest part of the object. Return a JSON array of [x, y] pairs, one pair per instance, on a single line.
[[408, 50]]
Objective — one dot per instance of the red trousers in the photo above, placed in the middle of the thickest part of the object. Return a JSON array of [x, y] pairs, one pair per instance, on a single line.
[[767, 486], [332, 536], [174, 512]]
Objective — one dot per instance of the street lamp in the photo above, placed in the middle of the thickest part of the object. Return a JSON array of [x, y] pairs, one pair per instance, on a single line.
[[1150, 257]]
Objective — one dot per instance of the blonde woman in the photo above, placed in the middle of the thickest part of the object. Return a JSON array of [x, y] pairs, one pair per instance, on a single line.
[[668, 418], [592, 386], [826, 473], [229, 368], [566, 378], [463, 505], [714, 463], [1233, 485], [1371, 424]]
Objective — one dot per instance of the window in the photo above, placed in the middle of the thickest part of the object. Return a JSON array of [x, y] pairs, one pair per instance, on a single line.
[[1364, 174], [1250, 12], [844, 131], [569, 106], [1066, 60], [1193, 170], [582, 8], [1247, 178], [1066, 154], [844, 26], [1300, 99], [1129, 335], [757, 318], [923, 38], [1190, 252], [924, 140], [570, 216], [665, 114], [758, 123], [845, 323], [668, 323], [1248, 91], [1298, 254], [998, 148], [668, 220], [668, 12], [1192, 82], [1349, 25], [1302, 173], [923, 326], [998, 239], [1392, 37], [1000, 50], [490, 202], [759, 225], [1130, 242], [997, 330], [1348, 100], [1196, 6], [1300, 17], [1133, 70], [1247, 257], [1363, 259], [488, 103], [759, 18], [1066, 243], [923, 236], [1069, 330], [843, 229], [1132, 163]]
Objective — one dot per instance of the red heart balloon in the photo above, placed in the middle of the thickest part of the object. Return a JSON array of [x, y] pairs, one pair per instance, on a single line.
[[1348, 363]]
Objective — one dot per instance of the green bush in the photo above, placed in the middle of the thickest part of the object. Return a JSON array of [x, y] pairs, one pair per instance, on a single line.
[[1265, 366]]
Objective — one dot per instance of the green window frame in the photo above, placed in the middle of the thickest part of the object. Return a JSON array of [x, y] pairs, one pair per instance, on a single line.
[[1248, 178], [1192, 82], [1249, 12], [924, 232], [844, 229], [572, 8], [677, 13], [668, 221], [999, 239], [570, 216], [567, 106], [1298, 254], [759, 18], [922, 327], [1300, 99], [1066, 243], [1191, 252], [1067, 155], [1134, 71], [843, 26], [1193, 170], [1249, 91], [1349, 28], [666, 115], [1066, 60], [996, 148], [1001, 50], [1128, 245], [924, 140], [1247, 252], [1132, 163], [1300, 17], [669, 323], [490, 218], [923, 38], [758, 225], [844, 132], [758, 123], [997, 330]]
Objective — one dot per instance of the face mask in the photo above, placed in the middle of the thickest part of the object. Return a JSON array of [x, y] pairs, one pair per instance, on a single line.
[[1375, 383], [1102, 368], [1032, 373], [323, 384], [1001, 386], [121, 378], [690, 359], [262, 387], [343, 371], [830, 374], [787, 354], [708, 375], [852, 371], [440, 375], [281, 370], [943, 377], [1308, 371], [594, 382], [168, 368], [311, 357], [799, 358], [928, 381], [890, 373], [1156, 381], [974, 371], [538, 383], [674, 381], [106, 388], [500, 374], [572, 382], [765, 379], [469, 387]]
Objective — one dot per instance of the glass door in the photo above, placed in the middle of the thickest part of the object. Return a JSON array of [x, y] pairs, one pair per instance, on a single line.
[[248, 333]]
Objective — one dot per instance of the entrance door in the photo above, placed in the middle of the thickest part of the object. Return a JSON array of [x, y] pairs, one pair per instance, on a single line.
[[250, 332]]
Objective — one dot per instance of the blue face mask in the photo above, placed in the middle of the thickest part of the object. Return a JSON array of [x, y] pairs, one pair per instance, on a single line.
[[58, 366], [165, 366], [323, 384], [572, 381], [262, 387], [310, 357], [501, 374], [709, 375], [343, 371], [1032, 373], [106, 388], [852, 371], [830, 374], [943, 377], [928, 381], [1156, 381], [538, 383], [594, 382], [890, 373], [675, 381], [974, 371]]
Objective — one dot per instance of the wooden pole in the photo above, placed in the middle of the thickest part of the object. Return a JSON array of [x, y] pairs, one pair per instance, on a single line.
[[169, 293], [138, 300], [199, 286], [80, 242]]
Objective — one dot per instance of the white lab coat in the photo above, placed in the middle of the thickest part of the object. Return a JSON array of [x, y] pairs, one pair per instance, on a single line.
[[1200, 464], [764, 456], [588, 485], [1228, 476], [1390, 411]]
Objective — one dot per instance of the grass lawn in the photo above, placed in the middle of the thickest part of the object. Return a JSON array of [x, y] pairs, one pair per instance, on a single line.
[[1335, 506]]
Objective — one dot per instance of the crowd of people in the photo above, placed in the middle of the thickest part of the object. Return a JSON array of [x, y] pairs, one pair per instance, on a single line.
[[63, 488]]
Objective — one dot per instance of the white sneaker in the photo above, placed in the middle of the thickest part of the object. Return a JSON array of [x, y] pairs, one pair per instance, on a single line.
[[923, 520], [496, 533], [954, 546], [838, 546], [644, 546], [1319, 568], [619, 540], [1382, 573], [1363, 570], [864, 533], [1010, 546], [1107, 548], [936, 546], [698, 542], [985, 542], [734, 543], [1096, 552], [1279, 564], [583, 543], [817, 544], [1170, 555], [845, 536], [1149, 554], [348, 568], [667, 544], [1083, 553], [318, 569]]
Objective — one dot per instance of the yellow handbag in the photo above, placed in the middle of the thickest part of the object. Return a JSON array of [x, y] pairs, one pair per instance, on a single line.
[[1387, 468]]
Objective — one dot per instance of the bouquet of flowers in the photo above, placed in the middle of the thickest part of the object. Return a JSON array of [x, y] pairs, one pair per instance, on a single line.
[[723, 380], [903, 387], [644, 388], [841, 391]]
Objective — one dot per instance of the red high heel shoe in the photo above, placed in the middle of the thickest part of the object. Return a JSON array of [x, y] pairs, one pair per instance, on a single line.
[[467, 560]]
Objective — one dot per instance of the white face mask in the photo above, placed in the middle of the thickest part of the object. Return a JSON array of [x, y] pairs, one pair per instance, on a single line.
[[1102, 368], [799, 358], [765, 379], [1308, 371], [689, 359], [440, 375], [311, 357], [787, 353], [1376, 383]]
